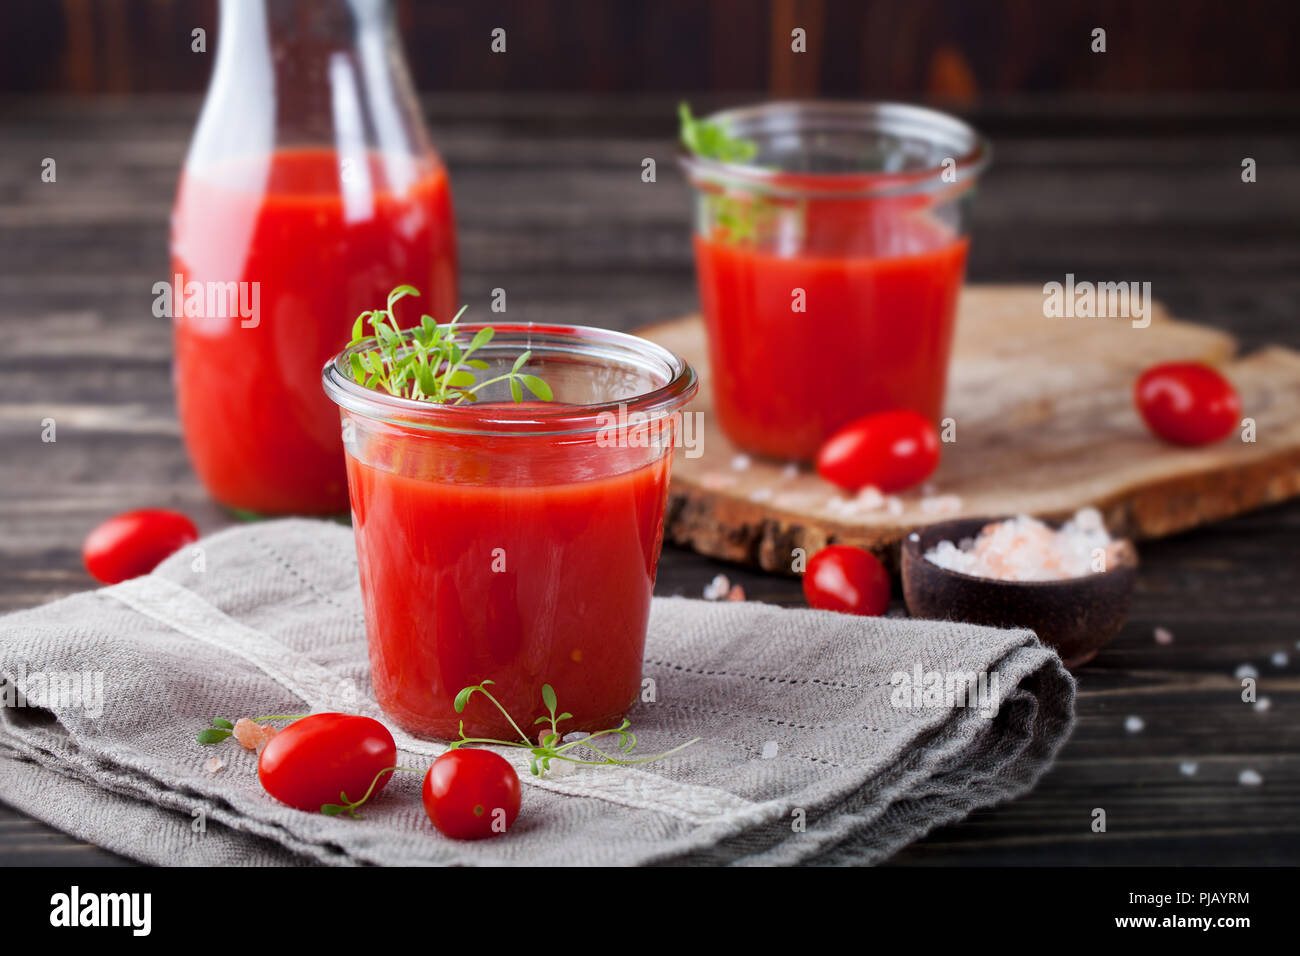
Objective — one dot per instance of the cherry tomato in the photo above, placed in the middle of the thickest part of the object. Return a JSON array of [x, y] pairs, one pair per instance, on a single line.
[[313, 760], [846, 579], [471, 794], [135, 543], [890, 450], [1187, 403]]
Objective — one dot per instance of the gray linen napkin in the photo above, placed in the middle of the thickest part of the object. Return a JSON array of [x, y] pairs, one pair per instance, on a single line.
[[806, 754]]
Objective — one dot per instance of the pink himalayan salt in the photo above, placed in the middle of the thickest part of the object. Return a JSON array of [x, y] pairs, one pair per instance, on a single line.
[[737, 593], [214, 764], [253, 736], [1025, 549]]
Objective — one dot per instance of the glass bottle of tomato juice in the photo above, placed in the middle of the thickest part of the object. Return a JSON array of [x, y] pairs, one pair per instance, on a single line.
[[310, 190]]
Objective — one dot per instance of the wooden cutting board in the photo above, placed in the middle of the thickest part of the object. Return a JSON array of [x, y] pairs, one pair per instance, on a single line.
[[1045, 424]]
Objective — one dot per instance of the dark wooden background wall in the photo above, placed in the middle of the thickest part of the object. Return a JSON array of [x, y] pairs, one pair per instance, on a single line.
[[950, 48]]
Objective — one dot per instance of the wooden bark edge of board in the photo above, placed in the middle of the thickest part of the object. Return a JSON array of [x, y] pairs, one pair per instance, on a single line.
[[707, 522], [718, 524]]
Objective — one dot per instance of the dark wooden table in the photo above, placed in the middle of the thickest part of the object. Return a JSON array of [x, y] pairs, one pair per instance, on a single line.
[[551, 206]]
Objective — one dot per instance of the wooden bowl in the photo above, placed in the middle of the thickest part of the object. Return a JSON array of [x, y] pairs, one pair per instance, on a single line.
[[1076, 616]]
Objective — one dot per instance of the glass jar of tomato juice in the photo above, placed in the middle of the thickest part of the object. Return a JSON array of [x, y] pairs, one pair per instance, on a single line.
[[829, 265], [309, 191], [509, 542]]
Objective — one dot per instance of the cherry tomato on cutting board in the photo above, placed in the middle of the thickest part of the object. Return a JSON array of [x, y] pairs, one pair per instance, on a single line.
[[311, 761], [1187, 403], [846, 579], [889, 450], [471, 794], [134, 543]]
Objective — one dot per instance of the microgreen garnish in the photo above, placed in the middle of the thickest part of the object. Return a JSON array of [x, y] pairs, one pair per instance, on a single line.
[[551, 744], [711, 140], [732, 217], [430, 363], [350, 806], [222, 728]]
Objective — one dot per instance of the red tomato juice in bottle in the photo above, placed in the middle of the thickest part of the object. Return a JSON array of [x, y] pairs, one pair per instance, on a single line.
[[261, 435]]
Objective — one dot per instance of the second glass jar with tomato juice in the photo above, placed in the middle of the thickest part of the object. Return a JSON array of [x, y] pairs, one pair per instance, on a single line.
[[514, 543], [309, 192], [829, 266]]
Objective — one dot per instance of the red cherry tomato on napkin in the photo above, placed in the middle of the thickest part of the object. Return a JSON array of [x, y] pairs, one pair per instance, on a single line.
[[135, 543], [890, 450], [471, 794], [1187, 403], [846, 579], [313, 760]]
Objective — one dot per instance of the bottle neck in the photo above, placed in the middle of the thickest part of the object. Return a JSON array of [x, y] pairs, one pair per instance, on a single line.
[[309, 74]]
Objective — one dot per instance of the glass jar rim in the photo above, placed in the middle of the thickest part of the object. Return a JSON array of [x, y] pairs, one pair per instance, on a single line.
[[892, 117], [505, 419]]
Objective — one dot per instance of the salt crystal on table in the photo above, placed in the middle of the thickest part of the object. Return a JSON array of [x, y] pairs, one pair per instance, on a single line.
[[214, 764], [1263, 704], [251, 735], [869, 497], [1163, 636], [716, 481], [894, 505], [740, 463], [561, 768], [1188, 768], [790, 471], [1244, 671], [1134, 725], [941, 505], [760, 494], [717, 589], [1249, 778], [736, 593], [1279, 659]]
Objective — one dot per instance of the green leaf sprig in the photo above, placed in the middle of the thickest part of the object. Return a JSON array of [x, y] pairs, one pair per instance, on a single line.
[[733, 218], [711, 140], [352, 807], [431, 363], [551, 746]]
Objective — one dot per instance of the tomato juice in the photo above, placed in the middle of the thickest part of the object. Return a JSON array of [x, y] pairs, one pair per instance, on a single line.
[[879, 298], [320, 242], [524, 584]]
